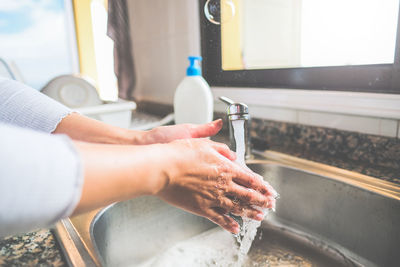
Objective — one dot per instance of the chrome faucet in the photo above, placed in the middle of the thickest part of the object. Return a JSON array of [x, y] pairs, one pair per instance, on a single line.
[[238, 111]]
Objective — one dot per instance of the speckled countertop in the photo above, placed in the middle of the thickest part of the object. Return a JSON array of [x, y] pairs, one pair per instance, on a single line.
[[38, 248]]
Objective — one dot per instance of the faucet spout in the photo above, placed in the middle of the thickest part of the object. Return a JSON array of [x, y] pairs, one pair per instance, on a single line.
[[226, 100]]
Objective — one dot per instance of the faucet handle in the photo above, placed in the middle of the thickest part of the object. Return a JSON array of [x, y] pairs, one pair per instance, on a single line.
[[226, 100]]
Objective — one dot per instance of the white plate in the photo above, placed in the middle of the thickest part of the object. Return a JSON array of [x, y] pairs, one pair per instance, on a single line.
[[73, 91]]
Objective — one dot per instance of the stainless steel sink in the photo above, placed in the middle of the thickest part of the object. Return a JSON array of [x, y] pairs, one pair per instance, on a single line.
[[326, 217]]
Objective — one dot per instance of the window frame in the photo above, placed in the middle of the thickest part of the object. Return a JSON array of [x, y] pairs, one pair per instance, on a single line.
[[375, 78]]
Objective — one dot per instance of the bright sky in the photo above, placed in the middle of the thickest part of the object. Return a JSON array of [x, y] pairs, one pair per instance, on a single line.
[[33, 35]]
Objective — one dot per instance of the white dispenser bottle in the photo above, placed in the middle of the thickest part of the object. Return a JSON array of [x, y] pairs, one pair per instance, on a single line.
[[193, 101]]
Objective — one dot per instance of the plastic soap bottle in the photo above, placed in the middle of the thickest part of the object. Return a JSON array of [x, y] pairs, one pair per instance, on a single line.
[[193, 101]]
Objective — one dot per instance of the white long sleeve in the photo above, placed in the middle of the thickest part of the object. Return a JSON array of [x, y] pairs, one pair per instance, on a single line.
[[40, 174], [23, 106], [40, 179]]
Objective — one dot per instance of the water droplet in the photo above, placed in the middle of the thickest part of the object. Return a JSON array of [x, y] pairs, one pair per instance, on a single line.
[[212, 11]]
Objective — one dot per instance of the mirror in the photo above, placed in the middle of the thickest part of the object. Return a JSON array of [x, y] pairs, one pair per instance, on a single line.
[[276, 34]]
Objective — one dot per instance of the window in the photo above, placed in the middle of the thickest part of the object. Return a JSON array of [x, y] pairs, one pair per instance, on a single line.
[[37, 39], [303, 44], [41, 39]]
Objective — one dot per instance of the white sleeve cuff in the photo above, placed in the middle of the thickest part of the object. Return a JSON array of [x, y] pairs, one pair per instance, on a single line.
[[24, 106]]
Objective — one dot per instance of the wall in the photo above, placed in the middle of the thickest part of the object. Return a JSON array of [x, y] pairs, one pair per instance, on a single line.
[[164, 33]]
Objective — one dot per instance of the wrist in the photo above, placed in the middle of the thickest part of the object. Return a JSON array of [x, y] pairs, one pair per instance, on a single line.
[[149, 137], [160, 167], [131, 137]]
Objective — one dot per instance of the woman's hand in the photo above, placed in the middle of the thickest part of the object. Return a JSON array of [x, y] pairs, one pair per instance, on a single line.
[[81, 128], [166, 134], [203, 179]]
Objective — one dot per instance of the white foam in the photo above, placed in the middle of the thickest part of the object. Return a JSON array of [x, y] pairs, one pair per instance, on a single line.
[[214, 247]]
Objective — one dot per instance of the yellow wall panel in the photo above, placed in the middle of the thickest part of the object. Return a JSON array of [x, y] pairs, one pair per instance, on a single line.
[[231, 40], [84, 36]]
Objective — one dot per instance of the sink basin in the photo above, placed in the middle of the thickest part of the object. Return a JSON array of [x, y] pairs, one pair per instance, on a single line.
[[326, 217]]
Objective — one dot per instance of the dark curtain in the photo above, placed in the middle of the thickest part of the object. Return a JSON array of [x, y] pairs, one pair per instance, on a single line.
[[118, 30]]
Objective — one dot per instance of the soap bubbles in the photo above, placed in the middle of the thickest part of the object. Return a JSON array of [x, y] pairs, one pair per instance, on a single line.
[[212, 11]]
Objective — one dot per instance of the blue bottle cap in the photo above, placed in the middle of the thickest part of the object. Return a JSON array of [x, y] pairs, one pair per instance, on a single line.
[[195, 68]]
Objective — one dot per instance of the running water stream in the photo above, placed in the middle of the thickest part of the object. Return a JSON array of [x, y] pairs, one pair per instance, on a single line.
[[248, 230]]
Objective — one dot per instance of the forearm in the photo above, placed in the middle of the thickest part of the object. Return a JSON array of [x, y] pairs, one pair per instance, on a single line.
[[82, 128], [116, 173]]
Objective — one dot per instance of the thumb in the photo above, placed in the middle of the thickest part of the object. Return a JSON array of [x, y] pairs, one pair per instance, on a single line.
[[206, 130]]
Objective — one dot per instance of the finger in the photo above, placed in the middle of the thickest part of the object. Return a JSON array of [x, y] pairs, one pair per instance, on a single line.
[[249, 212], [224, 150], [272, 204], [206, 130], [223, 220], [251, 180], [247, 196], [271, 190], [226, 205]]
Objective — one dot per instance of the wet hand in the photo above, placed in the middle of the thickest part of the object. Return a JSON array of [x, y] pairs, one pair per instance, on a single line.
[[203, 179]]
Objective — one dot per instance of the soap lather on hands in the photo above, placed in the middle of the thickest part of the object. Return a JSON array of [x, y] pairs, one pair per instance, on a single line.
[[206, 181]]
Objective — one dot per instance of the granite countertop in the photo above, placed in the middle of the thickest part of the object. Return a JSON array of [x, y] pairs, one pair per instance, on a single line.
[[39, 248]]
